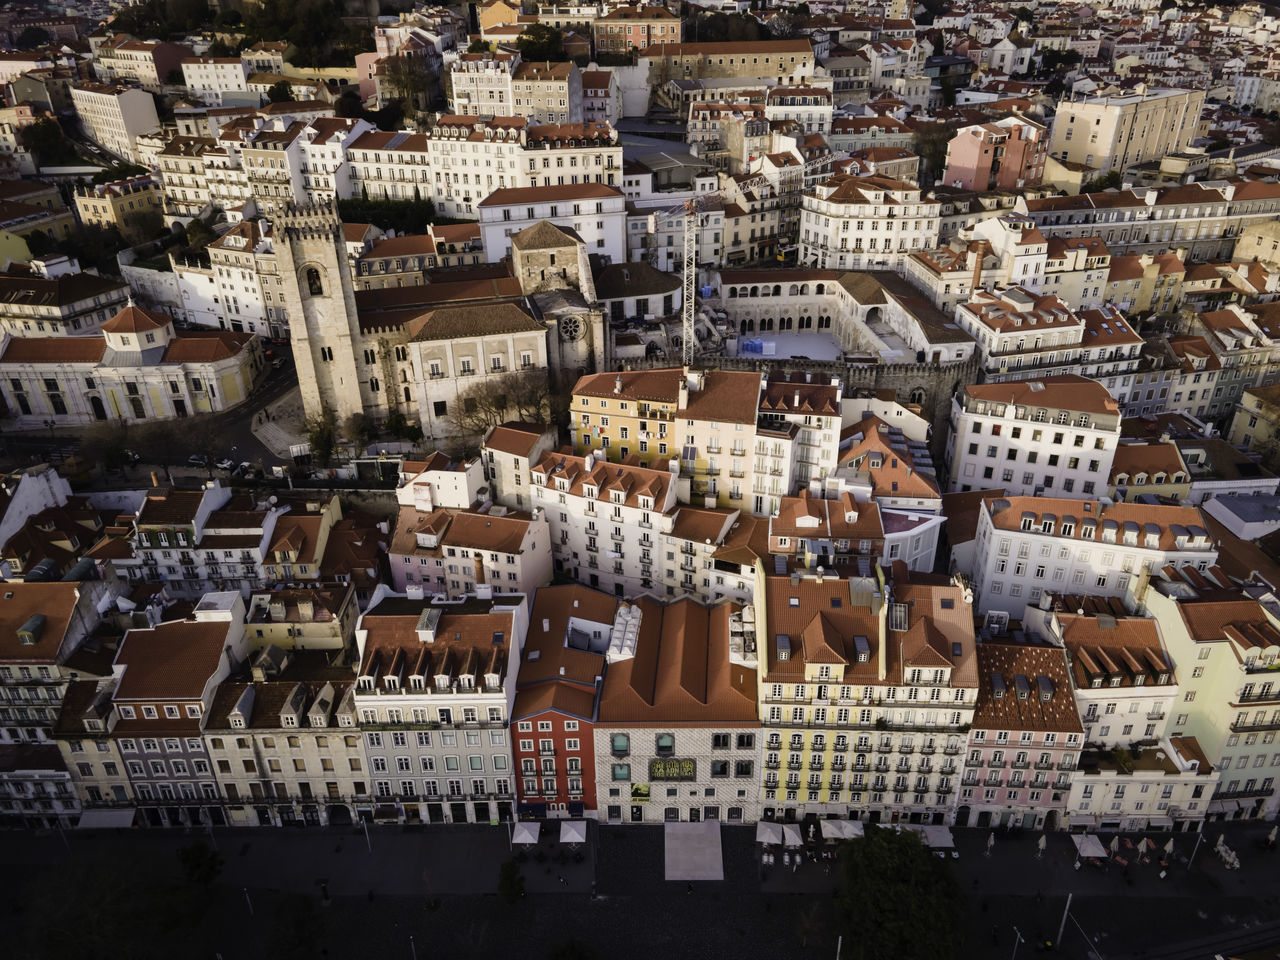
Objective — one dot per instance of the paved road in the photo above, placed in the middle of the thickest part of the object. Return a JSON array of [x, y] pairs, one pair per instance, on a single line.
[[437, 885]]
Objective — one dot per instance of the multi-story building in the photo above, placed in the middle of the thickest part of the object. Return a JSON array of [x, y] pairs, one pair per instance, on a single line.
[[145, 62], [557, 700], [1131, 776], [807, 108], [1054, 435], [166, 679], [601, 97], [187, 193], [1256, 423], [90, 753], [481, 84], [606, 520], [1021, 334], [303, 618], [706, 418], [137, 368], [460, 552], [1025, 722], [1027, 546], [852, 223], [274, 160], [113, 116], [866, 689], [1113, 132], [1004, 154], [595, 212], [675, 662], [216, 80], [433, 698], [1224, 643], [52, 297], [133, 206], [781, 61], [624, 29], [283, 743], [509, 454]]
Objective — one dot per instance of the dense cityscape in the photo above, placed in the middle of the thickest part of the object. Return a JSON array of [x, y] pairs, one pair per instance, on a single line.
[[843, 437]]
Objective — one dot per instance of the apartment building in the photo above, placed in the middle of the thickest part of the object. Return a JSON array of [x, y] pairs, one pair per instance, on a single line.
[[1224, 643], [1025, 717], [639, 27], [481, 84], [806, 411], [853, 223], [51, 297], [1132, 776], [114, 116], [866, 689], [460, 552], [90, 754], [509, 454], [601, 97], [1021, 334], [807, 108], [556, 706], [303, 618], [1029, 545], [832, 534], [1113, 132], [1054, 435], [433, 699], [183, 176], [216, 80], [606, 520], [439, 481], [283, 742], [156, 373], [595, 212], [43, 631], [668, 662], [704, 419], [273, 159], [1004, 154], [1145, 283], [1255, 424], [166, 678], [133, 206], [145, 62]]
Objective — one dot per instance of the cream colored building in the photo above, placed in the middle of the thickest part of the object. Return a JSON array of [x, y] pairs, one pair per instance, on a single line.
[[114, 116], [1114, 132], [308, 618], [139, 369], [853, 223], [133, 206], [1256, 424]]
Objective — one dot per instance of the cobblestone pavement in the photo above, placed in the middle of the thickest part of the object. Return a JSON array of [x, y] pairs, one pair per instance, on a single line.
[[437, 885]]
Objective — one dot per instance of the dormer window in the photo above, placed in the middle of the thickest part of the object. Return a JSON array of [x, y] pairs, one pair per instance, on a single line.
[[237, 721], [442, 682], [365, 684], [1096, 683], [1115, 681], [1068, 528], [1140, 680], [288, 720], [171, 711], [1046, 526]]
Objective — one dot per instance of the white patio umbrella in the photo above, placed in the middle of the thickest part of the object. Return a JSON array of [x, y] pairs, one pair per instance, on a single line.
[[1222, 841], [526, 833], [1168, 848], [1115, 844], [1143, 846], [811, 829], [1271, 837], [991, 841], [1042, 843]]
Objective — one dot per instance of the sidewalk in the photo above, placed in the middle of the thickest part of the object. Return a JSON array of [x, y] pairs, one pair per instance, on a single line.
[[285, 425]]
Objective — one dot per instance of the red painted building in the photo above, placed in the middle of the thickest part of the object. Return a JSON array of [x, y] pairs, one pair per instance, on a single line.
[[557, 698]]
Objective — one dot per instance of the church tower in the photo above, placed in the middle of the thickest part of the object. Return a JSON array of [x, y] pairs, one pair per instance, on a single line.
[[320, 302]]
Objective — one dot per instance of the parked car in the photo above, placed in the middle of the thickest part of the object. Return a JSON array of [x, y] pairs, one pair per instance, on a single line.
[[226, 463], [277, 363], [198, 460]]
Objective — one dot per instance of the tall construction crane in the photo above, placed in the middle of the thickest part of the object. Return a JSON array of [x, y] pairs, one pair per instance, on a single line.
[[691, 209]]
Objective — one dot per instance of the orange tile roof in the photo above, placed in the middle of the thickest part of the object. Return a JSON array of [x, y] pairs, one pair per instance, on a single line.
[[1066, 392], [171, 661], [1169, 522], [1002, 707]]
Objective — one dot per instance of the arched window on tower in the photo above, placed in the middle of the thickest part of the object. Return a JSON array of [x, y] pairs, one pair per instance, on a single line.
[[314, 285]]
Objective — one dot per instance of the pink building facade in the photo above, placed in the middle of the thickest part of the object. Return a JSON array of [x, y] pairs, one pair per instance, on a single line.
[[1025, 742], [1007, 154]]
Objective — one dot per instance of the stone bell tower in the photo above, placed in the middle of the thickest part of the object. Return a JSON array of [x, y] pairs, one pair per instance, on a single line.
[[319, 298]]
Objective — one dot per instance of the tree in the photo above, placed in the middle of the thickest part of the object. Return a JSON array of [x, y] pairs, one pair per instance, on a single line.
[[529, 394], [44, 138], [359, 430], [118, 171], [1107, 181], [201, 863], [478, 46], [510, 882], [280, 92], [105, 443], [491, 401], [33, 37], [322, 434], [912, 895], [540, 42], [930, 142], [412, 81], [398, 425]]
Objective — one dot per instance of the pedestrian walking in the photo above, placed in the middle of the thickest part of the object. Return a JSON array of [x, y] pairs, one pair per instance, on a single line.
[[688, 888]]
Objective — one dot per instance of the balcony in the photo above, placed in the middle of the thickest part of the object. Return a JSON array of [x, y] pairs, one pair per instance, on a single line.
[[906, 748], [1241, 794], [997, 764], [1241, 726], [1269, 696], [1021, 765], [794, 765], [927, 749], [816, 765], [943, 791], [838, 766], [951, 751], [772, 764], [1066, 766], [885, 747], [1041, 765], [546, 751]]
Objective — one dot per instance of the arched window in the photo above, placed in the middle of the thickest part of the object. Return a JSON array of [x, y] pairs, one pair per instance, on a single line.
[[733, 293], [818, 288], [1121, 479], [314, 286], [374, 385], [777, 289], [917, 396], [407, 397]]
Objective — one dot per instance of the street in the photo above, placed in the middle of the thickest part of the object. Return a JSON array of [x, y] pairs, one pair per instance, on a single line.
[[437, 884]]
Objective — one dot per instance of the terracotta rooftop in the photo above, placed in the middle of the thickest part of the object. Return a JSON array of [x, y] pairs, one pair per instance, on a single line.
[[171, 661], [1065, 392], [1024, 687]]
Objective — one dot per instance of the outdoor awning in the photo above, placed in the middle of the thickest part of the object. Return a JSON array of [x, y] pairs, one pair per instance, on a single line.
[[1160, 823], [1223, 806], [526, 833], [840, 829], [573, 831], [1089, 846], [938, 837], [1081, 820], [767, 832], [114, 818], [791, 835]]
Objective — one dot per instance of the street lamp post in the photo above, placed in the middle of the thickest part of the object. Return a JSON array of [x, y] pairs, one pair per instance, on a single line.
[[367, 842], [1017, 941]]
